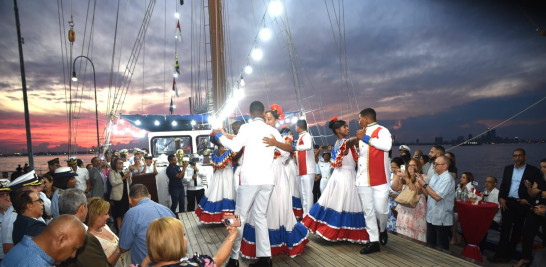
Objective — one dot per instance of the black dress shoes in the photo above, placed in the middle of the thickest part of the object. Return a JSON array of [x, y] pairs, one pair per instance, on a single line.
[[262, 262], [383, 237], [371, 248], [232, 263]]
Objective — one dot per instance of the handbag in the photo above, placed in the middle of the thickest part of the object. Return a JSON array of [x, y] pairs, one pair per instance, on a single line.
[[408, 198]]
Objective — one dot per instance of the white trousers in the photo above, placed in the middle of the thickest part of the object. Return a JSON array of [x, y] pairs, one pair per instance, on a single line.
[[306, 190], [236, 179], [323, 183], [253, 199], [375, 203]]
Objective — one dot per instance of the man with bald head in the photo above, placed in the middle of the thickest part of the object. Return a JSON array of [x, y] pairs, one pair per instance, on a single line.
[[441, 198], [59, 241]]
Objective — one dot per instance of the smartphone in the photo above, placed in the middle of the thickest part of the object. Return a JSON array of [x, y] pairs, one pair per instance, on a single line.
[[231, 219], [403, 168]]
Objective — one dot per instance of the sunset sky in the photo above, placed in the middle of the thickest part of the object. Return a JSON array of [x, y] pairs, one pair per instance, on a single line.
[[429, 68]]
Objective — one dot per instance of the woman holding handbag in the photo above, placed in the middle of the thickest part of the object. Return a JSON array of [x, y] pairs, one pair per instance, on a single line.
[[411, 221], [120, 181]]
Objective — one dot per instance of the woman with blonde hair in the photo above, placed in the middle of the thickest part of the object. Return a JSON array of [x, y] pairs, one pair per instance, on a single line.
[[166, 245], [97, 216], [411, 222]]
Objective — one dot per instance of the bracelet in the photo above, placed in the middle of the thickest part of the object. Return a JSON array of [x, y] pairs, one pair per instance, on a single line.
[[232, 241]]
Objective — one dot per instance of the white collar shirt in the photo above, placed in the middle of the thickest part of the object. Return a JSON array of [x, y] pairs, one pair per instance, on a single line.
[[257, 166]]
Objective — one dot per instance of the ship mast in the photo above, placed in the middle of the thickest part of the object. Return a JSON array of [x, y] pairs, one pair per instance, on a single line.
[[217, 56], [24, 83]]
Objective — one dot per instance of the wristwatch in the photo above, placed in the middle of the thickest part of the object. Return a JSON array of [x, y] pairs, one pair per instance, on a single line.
[[425, 186]]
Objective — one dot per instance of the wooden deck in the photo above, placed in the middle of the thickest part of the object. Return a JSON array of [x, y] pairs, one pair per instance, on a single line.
[[205, 239]]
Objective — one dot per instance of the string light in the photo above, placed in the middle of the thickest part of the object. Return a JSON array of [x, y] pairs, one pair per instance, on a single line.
[[257, 54], [175, 75], [156, 123], [242, 82], [177, 15], [248, 69], [275, 8], [193, 123], [137, 122], [265, 34], [174, 123]]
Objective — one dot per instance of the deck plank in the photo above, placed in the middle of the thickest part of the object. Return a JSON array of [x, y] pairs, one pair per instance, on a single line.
[[400, 251]]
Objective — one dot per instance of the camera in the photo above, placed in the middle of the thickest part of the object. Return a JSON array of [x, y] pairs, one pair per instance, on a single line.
[[232, 220]]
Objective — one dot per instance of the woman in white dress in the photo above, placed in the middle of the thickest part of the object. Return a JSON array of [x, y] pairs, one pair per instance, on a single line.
[[338, 214], [286, 234], [291, 171], [220, 196], [96, 221]]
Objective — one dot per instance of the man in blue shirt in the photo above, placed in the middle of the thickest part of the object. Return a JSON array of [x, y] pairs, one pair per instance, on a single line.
[[514, 204], [136, 221], [176, 187], [58, 242], [440, 201]]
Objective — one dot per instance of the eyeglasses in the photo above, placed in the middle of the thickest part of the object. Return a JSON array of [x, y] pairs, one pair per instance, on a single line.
[[39, 200], [436, 164], [517, 155]]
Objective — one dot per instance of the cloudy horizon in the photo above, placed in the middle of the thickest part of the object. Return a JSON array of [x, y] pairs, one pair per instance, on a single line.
[[429, 68]]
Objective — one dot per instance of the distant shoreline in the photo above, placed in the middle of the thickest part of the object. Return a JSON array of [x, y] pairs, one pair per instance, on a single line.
[[446, 145]]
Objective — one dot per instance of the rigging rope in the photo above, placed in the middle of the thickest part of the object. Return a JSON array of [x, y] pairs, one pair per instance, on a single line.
[[498, 125], [60, 14]]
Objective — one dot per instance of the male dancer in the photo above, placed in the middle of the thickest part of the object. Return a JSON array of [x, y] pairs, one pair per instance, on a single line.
[[237, 160], [257, 180], [371, 178], [305, 159]]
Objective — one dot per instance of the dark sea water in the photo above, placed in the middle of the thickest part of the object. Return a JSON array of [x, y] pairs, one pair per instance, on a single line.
[[9, 164], [482, 161]]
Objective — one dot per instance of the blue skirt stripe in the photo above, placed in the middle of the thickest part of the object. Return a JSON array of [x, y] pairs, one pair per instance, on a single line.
[[216, 207], [278, 237], [351, 220], [296, 203]]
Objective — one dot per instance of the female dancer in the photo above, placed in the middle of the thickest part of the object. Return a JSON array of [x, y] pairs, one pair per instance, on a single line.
[[286, 234], [338, 214], [292, 173], [220, 197]]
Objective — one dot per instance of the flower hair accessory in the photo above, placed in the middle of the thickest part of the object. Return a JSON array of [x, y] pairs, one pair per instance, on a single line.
[[334, 119], [278, 109]]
